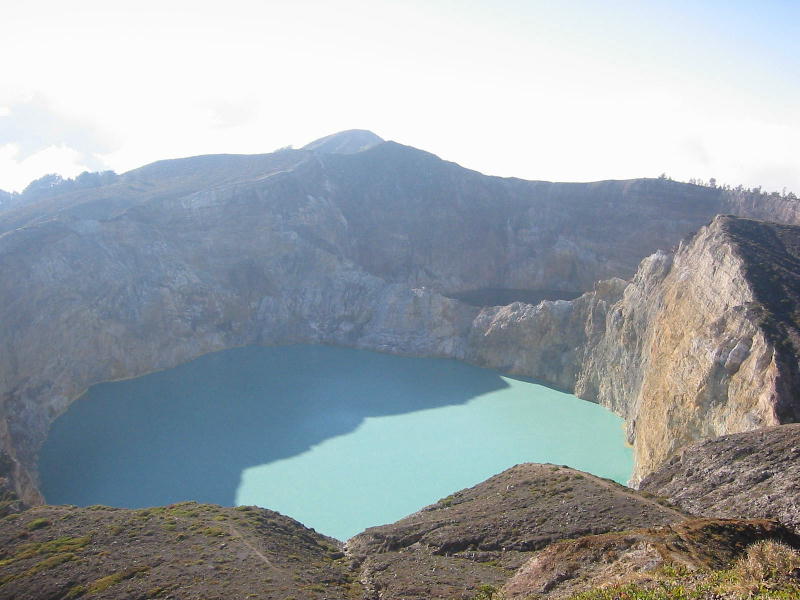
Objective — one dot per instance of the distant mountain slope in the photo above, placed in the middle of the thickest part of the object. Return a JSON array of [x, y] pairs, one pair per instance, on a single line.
[[416, 219]]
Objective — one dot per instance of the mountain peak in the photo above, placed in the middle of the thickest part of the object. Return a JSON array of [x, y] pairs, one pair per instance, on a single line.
[[345, 142]]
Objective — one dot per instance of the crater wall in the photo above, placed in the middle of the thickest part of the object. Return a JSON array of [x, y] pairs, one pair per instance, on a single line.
[[187, 257]]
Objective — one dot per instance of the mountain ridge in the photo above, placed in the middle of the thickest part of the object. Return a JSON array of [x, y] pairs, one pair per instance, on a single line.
[[349, 141]]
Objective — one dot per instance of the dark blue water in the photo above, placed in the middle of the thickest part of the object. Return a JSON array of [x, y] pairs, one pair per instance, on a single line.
[[339, 439]]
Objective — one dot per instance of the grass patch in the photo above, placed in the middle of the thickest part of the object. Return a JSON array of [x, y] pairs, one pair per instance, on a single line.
[[75, 591], [57, 546], [214, 532], [104, 583], [486, 592], [37, 524], [47, 563], [448, 501]]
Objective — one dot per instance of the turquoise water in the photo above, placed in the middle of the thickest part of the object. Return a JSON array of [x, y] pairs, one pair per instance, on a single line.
[[336, 438]]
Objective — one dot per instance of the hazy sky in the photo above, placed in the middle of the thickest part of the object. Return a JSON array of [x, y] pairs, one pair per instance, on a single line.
[[560, 90]]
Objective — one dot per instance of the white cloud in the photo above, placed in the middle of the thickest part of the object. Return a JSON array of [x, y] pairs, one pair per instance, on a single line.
[[35, 136], [18, 172]]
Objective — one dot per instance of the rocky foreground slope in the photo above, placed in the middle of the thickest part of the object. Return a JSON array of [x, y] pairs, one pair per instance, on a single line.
[[678, 561], [480, 536], [540, 531], [370, 249], [185, 551]]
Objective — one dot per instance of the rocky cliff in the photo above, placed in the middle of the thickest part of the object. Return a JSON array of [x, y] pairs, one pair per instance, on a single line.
[[369, 249], [700, 343]]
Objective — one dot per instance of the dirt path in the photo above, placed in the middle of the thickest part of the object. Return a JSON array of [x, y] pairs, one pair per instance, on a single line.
[[237, 534]]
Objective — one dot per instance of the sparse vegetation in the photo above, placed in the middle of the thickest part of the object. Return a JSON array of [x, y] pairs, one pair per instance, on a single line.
[[104, 583], [486, 592], [767, 571], [447, 501], [37, 524], [44, 565], [767, 565], [214, 532]]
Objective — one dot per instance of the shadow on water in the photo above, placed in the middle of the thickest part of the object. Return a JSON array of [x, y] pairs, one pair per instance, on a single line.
[[188, 433]]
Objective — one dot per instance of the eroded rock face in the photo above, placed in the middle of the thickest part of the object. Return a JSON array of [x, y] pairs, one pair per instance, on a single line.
[[699, 344], [547, 341], [363, 249]]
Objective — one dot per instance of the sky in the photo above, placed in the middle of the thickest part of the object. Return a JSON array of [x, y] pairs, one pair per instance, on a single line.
[[552, 90]]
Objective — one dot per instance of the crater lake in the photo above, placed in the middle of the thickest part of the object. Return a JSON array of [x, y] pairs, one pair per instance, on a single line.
[[337, 438]]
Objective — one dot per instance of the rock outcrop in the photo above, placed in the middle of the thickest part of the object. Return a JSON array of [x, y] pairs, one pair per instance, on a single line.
[[752, 475], [369, 249]]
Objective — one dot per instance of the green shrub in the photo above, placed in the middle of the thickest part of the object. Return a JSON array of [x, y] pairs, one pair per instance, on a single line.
[[485, 592]]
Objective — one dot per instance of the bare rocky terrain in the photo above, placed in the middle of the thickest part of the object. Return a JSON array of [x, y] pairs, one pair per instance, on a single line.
[[187, 551], [479, 536], [752, 475]]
